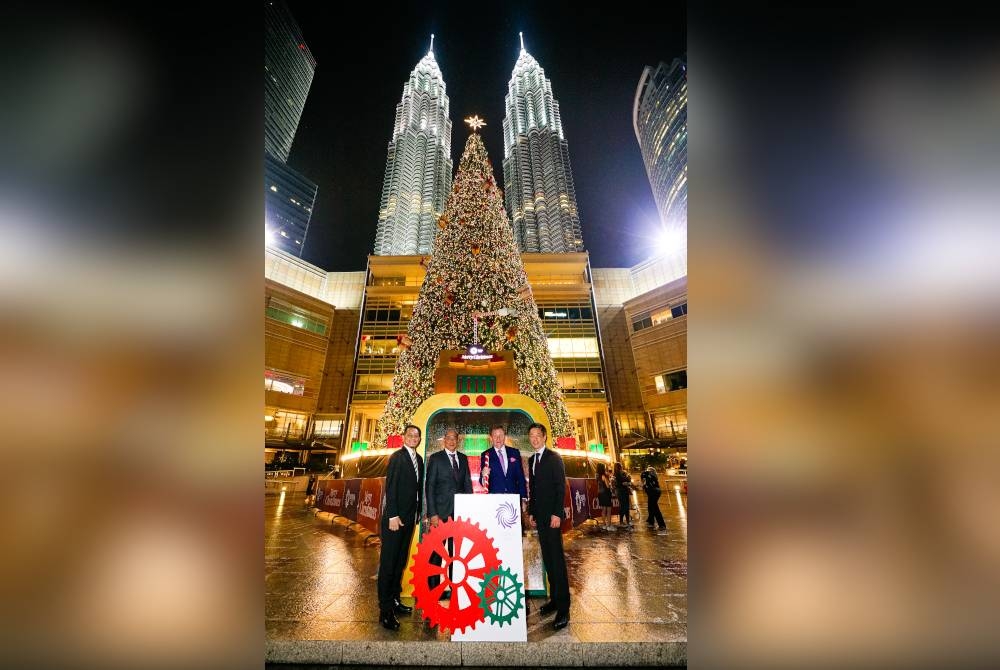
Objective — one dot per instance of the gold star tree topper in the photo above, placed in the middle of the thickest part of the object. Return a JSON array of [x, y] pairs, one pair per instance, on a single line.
[[475, 122]]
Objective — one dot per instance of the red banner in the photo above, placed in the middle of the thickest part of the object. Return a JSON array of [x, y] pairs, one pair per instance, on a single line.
[[330, 496], [593, 502], [577, 488], [352, 492], [370, 503], [567, 523]]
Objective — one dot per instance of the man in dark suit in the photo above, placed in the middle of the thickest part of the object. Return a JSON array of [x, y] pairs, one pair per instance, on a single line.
[[447, 474], [546, 511], [403, 494], [500, 469]]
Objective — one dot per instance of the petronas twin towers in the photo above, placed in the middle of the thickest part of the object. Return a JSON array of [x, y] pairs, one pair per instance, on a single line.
[[538, 181]]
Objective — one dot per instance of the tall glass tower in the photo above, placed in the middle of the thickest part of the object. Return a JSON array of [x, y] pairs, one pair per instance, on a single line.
[[418, 167], [540, 196], [289, 67], [659, 117]]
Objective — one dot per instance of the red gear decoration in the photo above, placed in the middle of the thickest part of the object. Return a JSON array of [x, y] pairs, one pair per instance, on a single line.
[[453, 616]]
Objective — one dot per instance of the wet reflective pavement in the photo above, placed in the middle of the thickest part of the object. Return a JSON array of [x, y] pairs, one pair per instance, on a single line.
[[626, 585]]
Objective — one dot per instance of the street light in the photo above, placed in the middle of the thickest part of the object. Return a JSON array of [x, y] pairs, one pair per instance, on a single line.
[[671, 241]]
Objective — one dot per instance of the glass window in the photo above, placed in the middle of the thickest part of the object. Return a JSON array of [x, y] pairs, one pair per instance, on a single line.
[[661, 316], [284, 383], [641, 324], [678, 380], [328, 428], [573, 347], [660, 386], [279, 310]]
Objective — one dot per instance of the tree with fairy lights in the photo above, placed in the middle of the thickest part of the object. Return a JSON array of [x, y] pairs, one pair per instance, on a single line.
[[474, 273]]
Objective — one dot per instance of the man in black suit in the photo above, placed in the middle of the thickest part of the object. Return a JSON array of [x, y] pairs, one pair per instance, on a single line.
[[447, 474], [403, 494], [546, 509]]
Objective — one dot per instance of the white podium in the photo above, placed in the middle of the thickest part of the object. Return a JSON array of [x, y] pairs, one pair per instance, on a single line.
[[499, 514]]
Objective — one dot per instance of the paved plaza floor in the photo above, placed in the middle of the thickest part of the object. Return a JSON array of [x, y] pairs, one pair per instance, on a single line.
[[627, 586]]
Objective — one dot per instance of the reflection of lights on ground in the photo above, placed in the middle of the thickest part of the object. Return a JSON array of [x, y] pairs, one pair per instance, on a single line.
[[281, 504], [680, 503]]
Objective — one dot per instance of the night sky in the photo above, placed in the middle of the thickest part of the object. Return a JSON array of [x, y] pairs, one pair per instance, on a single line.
[[592, 58]]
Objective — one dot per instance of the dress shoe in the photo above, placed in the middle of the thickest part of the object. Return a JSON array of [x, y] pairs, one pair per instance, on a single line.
[[562, 620], [400, 608], [547, 608], [388, 621]]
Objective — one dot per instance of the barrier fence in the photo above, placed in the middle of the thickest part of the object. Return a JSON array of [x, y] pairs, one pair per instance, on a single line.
[[362, 501]]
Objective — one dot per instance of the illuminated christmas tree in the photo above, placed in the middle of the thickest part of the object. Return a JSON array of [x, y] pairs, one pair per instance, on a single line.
[[475, 271]]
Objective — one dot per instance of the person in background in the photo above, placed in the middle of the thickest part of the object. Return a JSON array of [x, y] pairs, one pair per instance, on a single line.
[[623, 484], [604, 495], [651, 485]]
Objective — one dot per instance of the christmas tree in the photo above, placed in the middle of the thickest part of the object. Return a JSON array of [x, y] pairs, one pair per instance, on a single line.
[[474, 271]]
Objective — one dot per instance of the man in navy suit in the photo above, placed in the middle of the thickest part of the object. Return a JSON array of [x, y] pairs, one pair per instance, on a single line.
[[500, 468]]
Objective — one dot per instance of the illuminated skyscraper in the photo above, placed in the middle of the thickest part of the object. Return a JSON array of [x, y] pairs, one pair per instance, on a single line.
[[418, 167], [289, 67], [538, 181], [288, 73], [659, 117]]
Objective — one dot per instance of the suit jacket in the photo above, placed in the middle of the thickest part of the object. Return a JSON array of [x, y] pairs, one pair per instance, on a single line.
[[514, 481], [403, 488], [548, 487], [442, 484]]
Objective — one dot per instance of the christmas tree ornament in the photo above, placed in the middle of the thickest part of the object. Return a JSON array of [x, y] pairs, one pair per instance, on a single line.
[[476, 248], [443, 221], [404, 341], [511, 333]]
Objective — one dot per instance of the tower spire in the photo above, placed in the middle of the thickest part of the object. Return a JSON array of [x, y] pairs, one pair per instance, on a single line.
[[521, 35], [431, 50]]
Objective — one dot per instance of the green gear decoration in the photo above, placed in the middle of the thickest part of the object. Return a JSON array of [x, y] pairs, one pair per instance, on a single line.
[[501, 596]]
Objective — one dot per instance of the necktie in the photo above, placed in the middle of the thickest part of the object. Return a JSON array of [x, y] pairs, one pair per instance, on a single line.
[[534, 464], [454, 463], [503, 462], [416, 470]]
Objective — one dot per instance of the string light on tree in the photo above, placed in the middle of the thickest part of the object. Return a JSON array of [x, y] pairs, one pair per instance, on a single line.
[[475, 283]]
